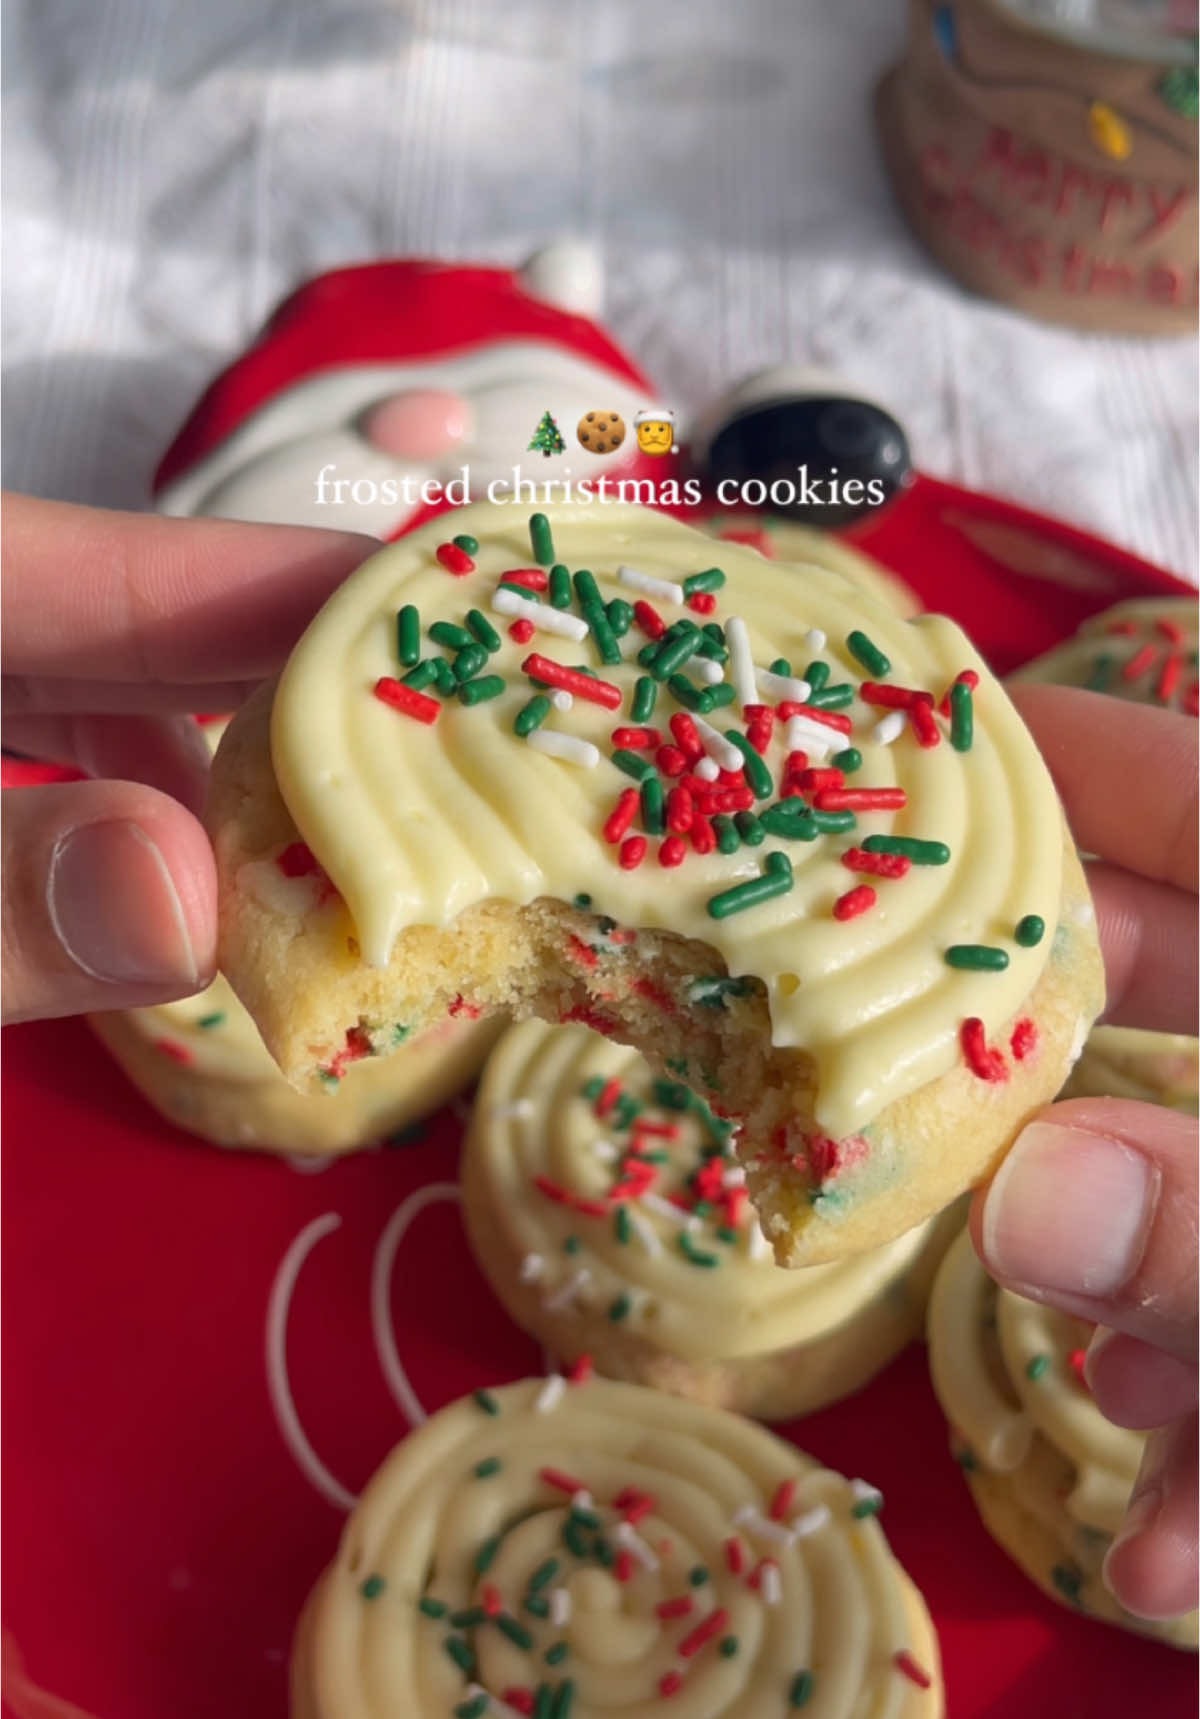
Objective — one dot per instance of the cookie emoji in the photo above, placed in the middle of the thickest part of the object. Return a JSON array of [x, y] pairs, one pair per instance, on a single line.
[[601, 432]]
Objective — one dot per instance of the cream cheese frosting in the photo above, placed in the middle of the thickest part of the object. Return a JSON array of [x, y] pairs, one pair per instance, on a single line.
[[594, 1548], [416, 820], [563, 1118]]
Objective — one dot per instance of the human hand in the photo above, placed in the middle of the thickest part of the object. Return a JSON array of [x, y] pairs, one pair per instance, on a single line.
[[1094, 1210], [115, 624]]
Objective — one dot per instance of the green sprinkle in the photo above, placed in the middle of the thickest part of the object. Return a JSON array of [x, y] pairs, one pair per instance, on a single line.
[[816, 674], [1068, 1579], [537, 1606], [486, 1554], [711, 579], [478, 1705], [689, 696], [582, 900], [486, 1401], [489, 1466], [591, 1089], [715, 633], [603, 636], [976, 958], [1101, 674], [725, 830], [446, 633], [1029, 932], [543, 1575], [697, 1575], [920, 853], [468, 544], [757, 774], [801, 1689], [781, 666], [420, 676], [633, 764], [776, 879], [468, 662], [542, 1701], [715, 697], [695, 1255], [791, 818], [584, 1518], [711, 992], [520, 591], [470, 1618], [372, 1587], [962, 717], [563, 1700], [832, 697], [460, 1652], [620, 616], [653, 818], [556, 1654], [712, 646], [871, 1505], [479, 691], [725, 1234], [622, 1227], [432, 1608], [400, 1032], [483, 629], [750, 829], [848, 760], [727, 1646], [833, 823], [1037, 1366], [587, 591], [560, 587], [603, 1552], [408, 635], [620, 1309], [645, 697], [541, 539], [863, 650], [673, 653], [443, 674], [531, 715], [572, 1244], [671, 1095], [965, 1458], [210, 1021], [516, 1632], [648, 653]]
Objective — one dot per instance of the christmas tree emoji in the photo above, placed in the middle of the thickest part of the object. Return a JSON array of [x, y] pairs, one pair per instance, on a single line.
[[547, 438]]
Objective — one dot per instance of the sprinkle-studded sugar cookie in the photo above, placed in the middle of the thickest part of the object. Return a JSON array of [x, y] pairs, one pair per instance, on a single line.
[[1050, 1475], [578, 1549], [565, 764], [608, 1211]]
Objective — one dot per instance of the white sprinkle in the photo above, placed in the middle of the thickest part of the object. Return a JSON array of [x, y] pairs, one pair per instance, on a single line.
[[644, 1231], [605, 1151], [666, 1209], [864, 1492], [770, 1585], [888, 728], [628, 1536], [741, 663], [812, 1521], [517, 1107], [782, 685], [666, 589], [756, 1523], [543, 617], [568, 747], [532, 1267], [550, 1394], [1082, 913], [582, 1500], [715, 744], [707, 769], [561, 699], [560, 1607], [804, 735], [565, 1294], [758, 1245], [734, 1177], [708, 671], [814, 638]]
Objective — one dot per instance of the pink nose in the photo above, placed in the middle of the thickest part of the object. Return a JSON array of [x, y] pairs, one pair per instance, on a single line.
[[419, 423]]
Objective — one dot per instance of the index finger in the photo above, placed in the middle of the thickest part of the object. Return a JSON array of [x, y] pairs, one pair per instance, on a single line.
[[98, 596], [1127, 776]]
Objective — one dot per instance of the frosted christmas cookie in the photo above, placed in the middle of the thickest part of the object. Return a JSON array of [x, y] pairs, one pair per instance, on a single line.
[[609, 1213], [576, 1550], [1125, 1062], [1050, 1475], [796, 848], [782, 539]]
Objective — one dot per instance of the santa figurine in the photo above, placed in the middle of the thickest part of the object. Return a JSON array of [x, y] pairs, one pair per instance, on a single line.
[[378, 392]]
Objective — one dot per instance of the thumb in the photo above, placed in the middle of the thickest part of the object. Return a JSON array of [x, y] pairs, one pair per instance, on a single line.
[[1094, 1211], [109, 899]]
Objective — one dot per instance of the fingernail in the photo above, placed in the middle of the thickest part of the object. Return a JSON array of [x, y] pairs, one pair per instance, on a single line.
[[1069, 1211], [115, 909], [1139, 1517]]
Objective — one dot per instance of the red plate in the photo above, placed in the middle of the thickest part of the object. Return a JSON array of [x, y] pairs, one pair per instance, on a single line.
[[159, 1532]]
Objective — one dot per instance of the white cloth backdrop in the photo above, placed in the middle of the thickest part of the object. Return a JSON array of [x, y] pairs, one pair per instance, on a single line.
[[172, 167]]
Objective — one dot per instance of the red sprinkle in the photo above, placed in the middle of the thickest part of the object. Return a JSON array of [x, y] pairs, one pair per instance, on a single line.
[[1191, 699], [704, 602], [609, 1095], [531, 578], [735, 1555], [581, 951], [670, 1683], [1024, 1038], [636, 739], [794, 766], [177, 1053], [1139, 662], [887, 696], [855, 902], [877, 865], [785, 1497], [687, 737], [468, 1011], [357, 1046], [904, 1661], [631, 853], [704, 1631], [987, 1064], [297, 860], [521, 1699], [924, 727], [564, 1197], [704, 837], [551, 673], [633, 1504], [582, 1371], [1168, 680], [649, 620], [490, 1599], [682, 1606], [813, 781], [861, 800], [672, 852], [827, 718], [623, 1565], [670, 761], [1121, 628], [621, 816], [968, 677], [1169, 630], [407, 699], [561, 1481], [454, 559], [681, 810], [521, 632], [1076, 1360]]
